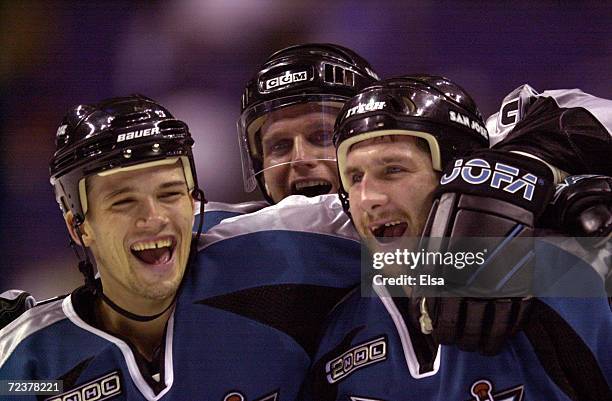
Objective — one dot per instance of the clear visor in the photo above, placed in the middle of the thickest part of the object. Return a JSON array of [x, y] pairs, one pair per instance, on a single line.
[[289, 133]]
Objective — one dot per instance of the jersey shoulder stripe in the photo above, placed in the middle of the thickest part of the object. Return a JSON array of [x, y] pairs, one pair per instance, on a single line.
[[30, 322], [318, 215]]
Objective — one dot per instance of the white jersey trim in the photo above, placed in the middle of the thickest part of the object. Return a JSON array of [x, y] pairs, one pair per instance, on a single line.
[[28, 323], [411, 360], [242, 208], [128, 355], [318, 215]]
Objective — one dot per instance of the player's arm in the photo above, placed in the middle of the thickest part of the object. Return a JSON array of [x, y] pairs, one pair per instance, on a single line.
[[568, 129], [13, 303]]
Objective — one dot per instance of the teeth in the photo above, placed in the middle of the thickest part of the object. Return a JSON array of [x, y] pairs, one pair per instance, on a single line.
[[389, 224], [141, 246], [311, 183], [393, 223]]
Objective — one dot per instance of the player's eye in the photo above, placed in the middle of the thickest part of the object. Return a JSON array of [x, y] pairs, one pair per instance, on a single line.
[[123, 202], [390, 170], [171, 195], [280, 146], [321, 138], [356, 177]]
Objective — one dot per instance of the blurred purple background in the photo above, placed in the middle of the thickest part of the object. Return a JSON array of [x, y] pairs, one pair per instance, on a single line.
[[194, 56]]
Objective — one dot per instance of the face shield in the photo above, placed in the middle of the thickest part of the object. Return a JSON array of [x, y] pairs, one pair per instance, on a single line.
[[286, 146]]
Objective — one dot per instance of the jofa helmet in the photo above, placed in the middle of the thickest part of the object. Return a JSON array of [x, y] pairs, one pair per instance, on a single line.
[[426, 106], [309, 79]]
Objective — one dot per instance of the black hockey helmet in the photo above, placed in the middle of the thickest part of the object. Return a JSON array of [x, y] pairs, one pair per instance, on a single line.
[[426, 106], [325, 75], [117, 133]]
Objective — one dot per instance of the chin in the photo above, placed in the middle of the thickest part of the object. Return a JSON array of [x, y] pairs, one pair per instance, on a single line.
[[162, 291], [156, 284]]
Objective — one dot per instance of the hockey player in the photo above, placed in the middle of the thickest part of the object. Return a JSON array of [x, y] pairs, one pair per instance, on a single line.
[[245, 321], [287, 117], [124, 178], [288, 110], [384, 347]]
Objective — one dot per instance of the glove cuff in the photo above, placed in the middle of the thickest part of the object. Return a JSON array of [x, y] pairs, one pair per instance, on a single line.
[[517, 179]]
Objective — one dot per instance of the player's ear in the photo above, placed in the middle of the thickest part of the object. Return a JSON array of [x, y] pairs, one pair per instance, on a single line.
[[70, 224]]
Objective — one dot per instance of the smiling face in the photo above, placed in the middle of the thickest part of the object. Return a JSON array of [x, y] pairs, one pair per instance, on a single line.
[[391, 188], [298, 154], [138, 228]]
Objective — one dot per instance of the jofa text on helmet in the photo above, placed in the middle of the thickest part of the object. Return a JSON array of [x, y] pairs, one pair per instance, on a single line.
[[464, 120], [502, 173], [137, 134], [365, 107], [286, 79]]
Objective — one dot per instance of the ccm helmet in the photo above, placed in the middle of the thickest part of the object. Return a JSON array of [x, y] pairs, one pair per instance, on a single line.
[[117, 133], [317, 77], [426, 106]]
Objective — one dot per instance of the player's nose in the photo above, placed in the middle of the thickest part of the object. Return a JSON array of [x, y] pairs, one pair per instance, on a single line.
[[302, 154], [151, 215], [371, 194]]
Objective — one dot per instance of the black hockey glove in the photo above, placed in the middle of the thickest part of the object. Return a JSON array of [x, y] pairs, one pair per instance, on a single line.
[[582, 207], [12, 304], [496, 196]]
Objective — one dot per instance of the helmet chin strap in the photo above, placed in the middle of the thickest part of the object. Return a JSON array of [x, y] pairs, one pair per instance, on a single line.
[[86, 268]]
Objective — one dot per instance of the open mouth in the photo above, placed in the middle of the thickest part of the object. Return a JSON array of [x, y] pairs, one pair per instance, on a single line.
[[155, 252], [389, 232], [311, 188]]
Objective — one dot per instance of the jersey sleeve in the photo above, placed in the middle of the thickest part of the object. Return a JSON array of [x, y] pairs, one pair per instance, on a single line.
[[566, 128]]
